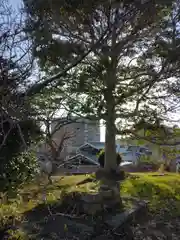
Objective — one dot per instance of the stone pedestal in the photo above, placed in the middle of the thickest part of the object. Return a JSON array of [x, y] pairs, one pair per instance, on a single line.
[[110, 192], [92, 203], [108, 196], [110, 187]]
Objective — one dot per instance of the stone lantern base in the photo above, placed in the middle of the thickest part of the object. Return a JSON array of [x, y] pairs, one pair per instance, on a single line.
[[108, 196]]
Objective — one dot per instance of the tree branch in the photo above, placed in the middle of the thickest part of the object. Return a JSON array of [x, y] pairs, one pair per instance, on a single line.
[[39, 86]]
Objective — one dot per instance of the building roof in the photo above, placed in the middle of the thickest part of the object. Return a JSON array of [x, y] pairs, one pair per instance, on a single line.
[[101, 145], [91, 159], [80, 156]]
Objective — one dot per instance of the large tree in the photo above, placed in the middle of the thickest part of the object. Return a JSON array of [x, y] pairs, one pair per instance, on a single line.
[[117, 70]]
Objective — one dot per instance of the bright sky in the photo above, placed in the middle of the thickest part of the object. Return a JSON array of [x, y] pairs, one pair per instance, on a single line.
[[15, 2]]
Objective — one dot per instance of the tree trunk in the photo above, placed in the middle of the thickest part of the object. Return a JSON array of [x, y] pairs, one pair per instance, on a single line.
[[109, 176], [52, 148], [111, 81], [110, 138]]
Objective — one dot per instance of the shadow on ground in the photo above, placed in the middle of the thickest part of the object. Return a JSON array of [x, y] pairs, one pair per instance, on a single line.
[[48, 222], [42, 225], [53, 222], [44, 222]]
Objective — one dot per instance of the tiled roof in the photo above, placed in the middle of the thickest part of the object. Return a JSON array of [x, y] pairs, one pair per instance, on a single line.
[[89, 157]]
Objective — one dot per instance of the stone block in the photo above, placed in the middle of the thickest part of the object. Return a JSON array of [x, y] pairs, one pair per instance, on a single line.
[[119, 219], [112, 204], [106, 194], [91, 198], [128, 215], [92, 208], [116, 191], [104, 187]]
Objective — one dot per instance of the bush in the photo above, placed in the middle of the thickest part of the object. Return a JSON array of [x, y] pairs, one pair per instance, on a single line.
[[13, 144], [162, 192], [101, 158], [146, 159], [16, 165], [19, 170]]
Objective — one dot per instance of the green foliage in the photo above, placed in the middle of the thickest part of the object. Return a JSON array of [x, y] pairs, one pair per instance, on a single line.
[[13, 165], [77, 25], [18, 170], [101, 158], [47, 102], [17, 235], [158, 133], [145, 159], [18, 128], [100, 153], [140, 142], [170, 153], [162, 192], [104, 82], [82, 25]]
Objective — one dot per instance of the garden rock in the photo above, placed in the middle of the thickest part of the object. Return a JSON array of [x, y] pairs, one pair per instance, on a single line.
[[91, 198], [92, 208], [119, 219]]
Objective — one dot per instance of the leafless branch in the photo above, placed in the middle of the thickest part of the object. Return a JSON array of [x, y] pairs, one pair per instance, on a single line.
[[14, 58]]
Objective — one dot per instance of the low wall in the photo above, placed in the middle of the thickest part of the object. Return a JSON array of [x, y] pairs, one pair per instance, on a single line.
[[141, 168], [80, 170], [86, 169]]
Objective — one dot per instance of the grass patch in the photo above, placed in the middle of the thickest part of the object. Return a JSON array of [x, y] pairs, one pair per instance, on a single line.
[[32, 195], [162, 192]]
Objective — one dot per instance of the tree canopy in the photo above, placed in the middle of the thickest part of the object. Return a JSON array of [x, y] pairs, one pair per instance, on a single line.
[[113, 60]]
